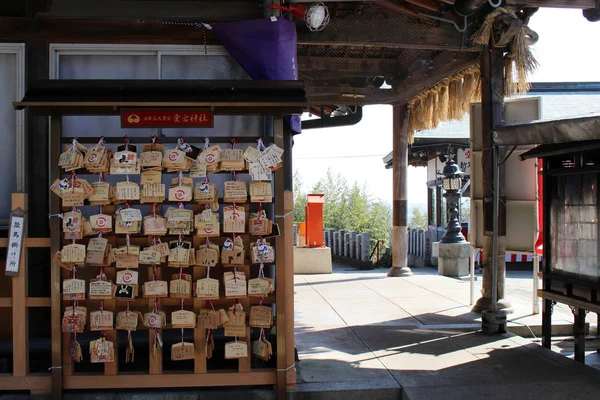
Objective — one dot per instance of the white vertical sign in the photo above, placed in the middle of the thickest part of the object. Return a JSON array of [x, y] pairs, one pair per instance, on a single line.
[[15, 242]]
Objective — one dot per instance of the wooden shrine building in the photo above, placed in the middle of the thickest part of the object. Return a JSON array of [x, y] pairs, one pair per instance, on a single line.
[[72, 71]]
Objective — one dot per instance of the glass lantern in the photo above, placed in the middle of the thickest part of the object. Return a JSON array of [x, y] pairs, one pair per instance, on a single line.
[[452, 183]]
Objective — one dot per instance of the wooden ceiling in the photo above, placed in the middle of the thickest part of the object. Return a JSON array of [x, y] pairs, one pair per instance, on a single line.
[[372, 52]]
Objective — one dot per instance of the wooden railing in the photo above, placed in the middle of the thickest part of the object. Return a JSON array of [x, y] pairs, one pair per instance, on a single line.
[[20, 302]]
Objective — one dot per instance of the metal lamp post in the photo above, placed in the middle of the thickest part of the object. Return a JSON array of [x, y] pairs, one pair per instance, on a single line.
[[452, 183]]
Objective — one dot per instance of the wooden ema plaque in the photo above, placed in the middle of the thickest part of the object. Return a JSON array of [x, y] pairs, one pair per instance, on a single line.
[[102, 351], [182, 351], [183, 319], [212, 218]]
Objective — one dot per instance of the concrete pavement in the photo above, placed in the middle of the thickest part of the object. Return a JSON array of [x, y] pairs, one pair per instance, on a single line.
[[416, 338]]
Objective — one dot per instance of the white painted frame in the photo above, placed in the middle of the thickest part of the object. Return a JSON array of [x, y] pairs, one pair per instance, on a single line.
[[65, 49], [18, 49]]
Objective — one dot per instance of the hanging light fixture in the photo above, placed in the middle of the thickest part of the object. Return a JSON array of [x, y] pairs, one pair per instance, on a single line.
[[316, 16]]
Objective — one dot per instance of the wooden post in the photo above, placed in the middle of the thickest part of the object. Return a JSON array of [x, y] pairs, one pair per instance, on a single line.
[[399, 212], [55, 272], [20, 315], [284, 273], [492, 107], [579, 334]]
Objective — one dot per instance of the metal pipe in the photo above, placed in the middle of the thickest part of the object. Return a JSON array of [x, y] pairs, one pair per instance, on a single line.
[[495, 205]]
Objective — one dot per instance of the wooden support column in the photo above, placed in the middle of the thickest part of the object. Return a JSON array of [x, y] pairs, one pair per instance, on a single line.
[[579, 334], [547, 307], [492, 107], [55, 270], [20, 314], [284, 269], [400, 200]]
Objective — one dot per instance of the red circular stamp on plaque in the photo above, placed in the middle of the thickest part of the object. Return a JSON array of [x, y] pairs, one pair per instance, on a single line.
[[210, 158], [173, 156], [101, 222], [180, 195], [128, 277]]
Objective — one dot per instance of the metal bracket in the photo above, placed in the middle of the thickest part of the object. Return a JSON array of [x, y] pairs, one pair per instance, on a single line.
[[461, 30], [552, 304]]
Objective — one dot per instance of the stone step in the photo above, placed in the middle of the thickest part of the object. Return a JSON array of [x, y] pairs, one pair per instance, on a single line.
[[373, 389]]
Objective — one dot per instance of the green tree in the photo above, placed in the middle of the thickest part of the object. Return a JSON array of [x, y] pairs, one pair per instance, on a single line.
[[418, 220], [350, 207], [300, 199]]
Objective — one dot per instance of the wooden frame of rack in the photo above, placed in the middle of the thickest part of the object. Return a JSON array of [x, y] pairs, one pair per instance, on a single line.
[[275, 99]]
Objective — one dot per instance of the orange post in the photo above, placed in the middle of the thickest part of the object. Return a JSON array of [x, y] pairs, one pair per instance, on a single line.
[[314, 220], [301, 234]]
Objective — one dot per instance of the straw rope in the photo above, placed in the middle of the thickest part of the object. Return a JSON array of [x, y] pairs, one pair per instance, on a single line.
[[451, 98], [448, 100]]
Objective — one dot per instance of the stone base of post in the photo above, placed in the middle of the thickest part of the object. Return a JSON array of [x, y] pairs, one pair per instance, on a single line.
[[485, 303], [400, 272], [453, 258]]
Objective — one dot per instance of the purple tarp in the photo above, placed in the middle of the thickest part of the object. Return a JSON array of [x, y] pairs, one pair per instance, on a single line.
[[265, 48]]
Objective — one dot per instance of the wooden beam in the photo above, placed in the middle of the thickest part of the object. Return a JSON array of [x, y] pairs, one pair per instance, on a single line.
[[9, 382], [38, 302], [317, 66], [29, 242], [431, 5], [375, 28], [445, 64], [98, 30], [560, 298], [206, 11], [397, 7], [553, 3], [136, 381], [20, 313]]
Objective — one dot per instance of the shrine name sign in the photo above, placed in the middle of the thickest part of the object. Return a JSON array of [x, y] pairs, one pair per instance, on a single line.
[[167, 118]]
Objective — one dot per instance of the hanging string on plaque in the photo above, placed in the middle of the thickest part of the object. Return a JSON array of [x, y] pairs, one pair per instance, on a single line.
[[130, 352], [74, 326]]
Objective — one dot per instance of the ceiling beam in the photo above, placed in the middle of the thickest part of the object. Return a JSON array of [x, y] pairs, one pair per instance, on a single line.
[[444, 65], [206, 11], [96, 30], [382, 28], [362, 66], [553, 3]]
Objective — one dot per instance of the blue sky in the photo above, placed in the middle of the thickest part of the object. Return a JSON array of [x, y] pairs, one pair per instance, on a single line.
[[565, 51]]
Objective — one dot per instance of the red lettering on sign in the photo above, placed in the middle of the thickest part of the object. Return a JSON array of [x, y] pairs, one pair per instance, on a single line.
[[166, 118]]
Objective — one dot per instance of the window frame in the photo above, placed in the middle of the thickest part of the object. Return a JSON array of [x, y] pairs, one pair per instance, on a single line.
[[18, 49], [92, 49]]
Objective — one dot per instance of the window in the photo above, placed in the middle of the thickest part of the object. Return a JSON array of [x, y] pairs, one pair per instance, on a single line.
[[116, 61], [12, 131]]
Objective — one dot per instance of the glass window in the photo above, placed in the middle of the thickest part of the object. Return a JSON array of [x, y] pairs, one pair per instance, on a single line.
[[574, 226], [11, 126]]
